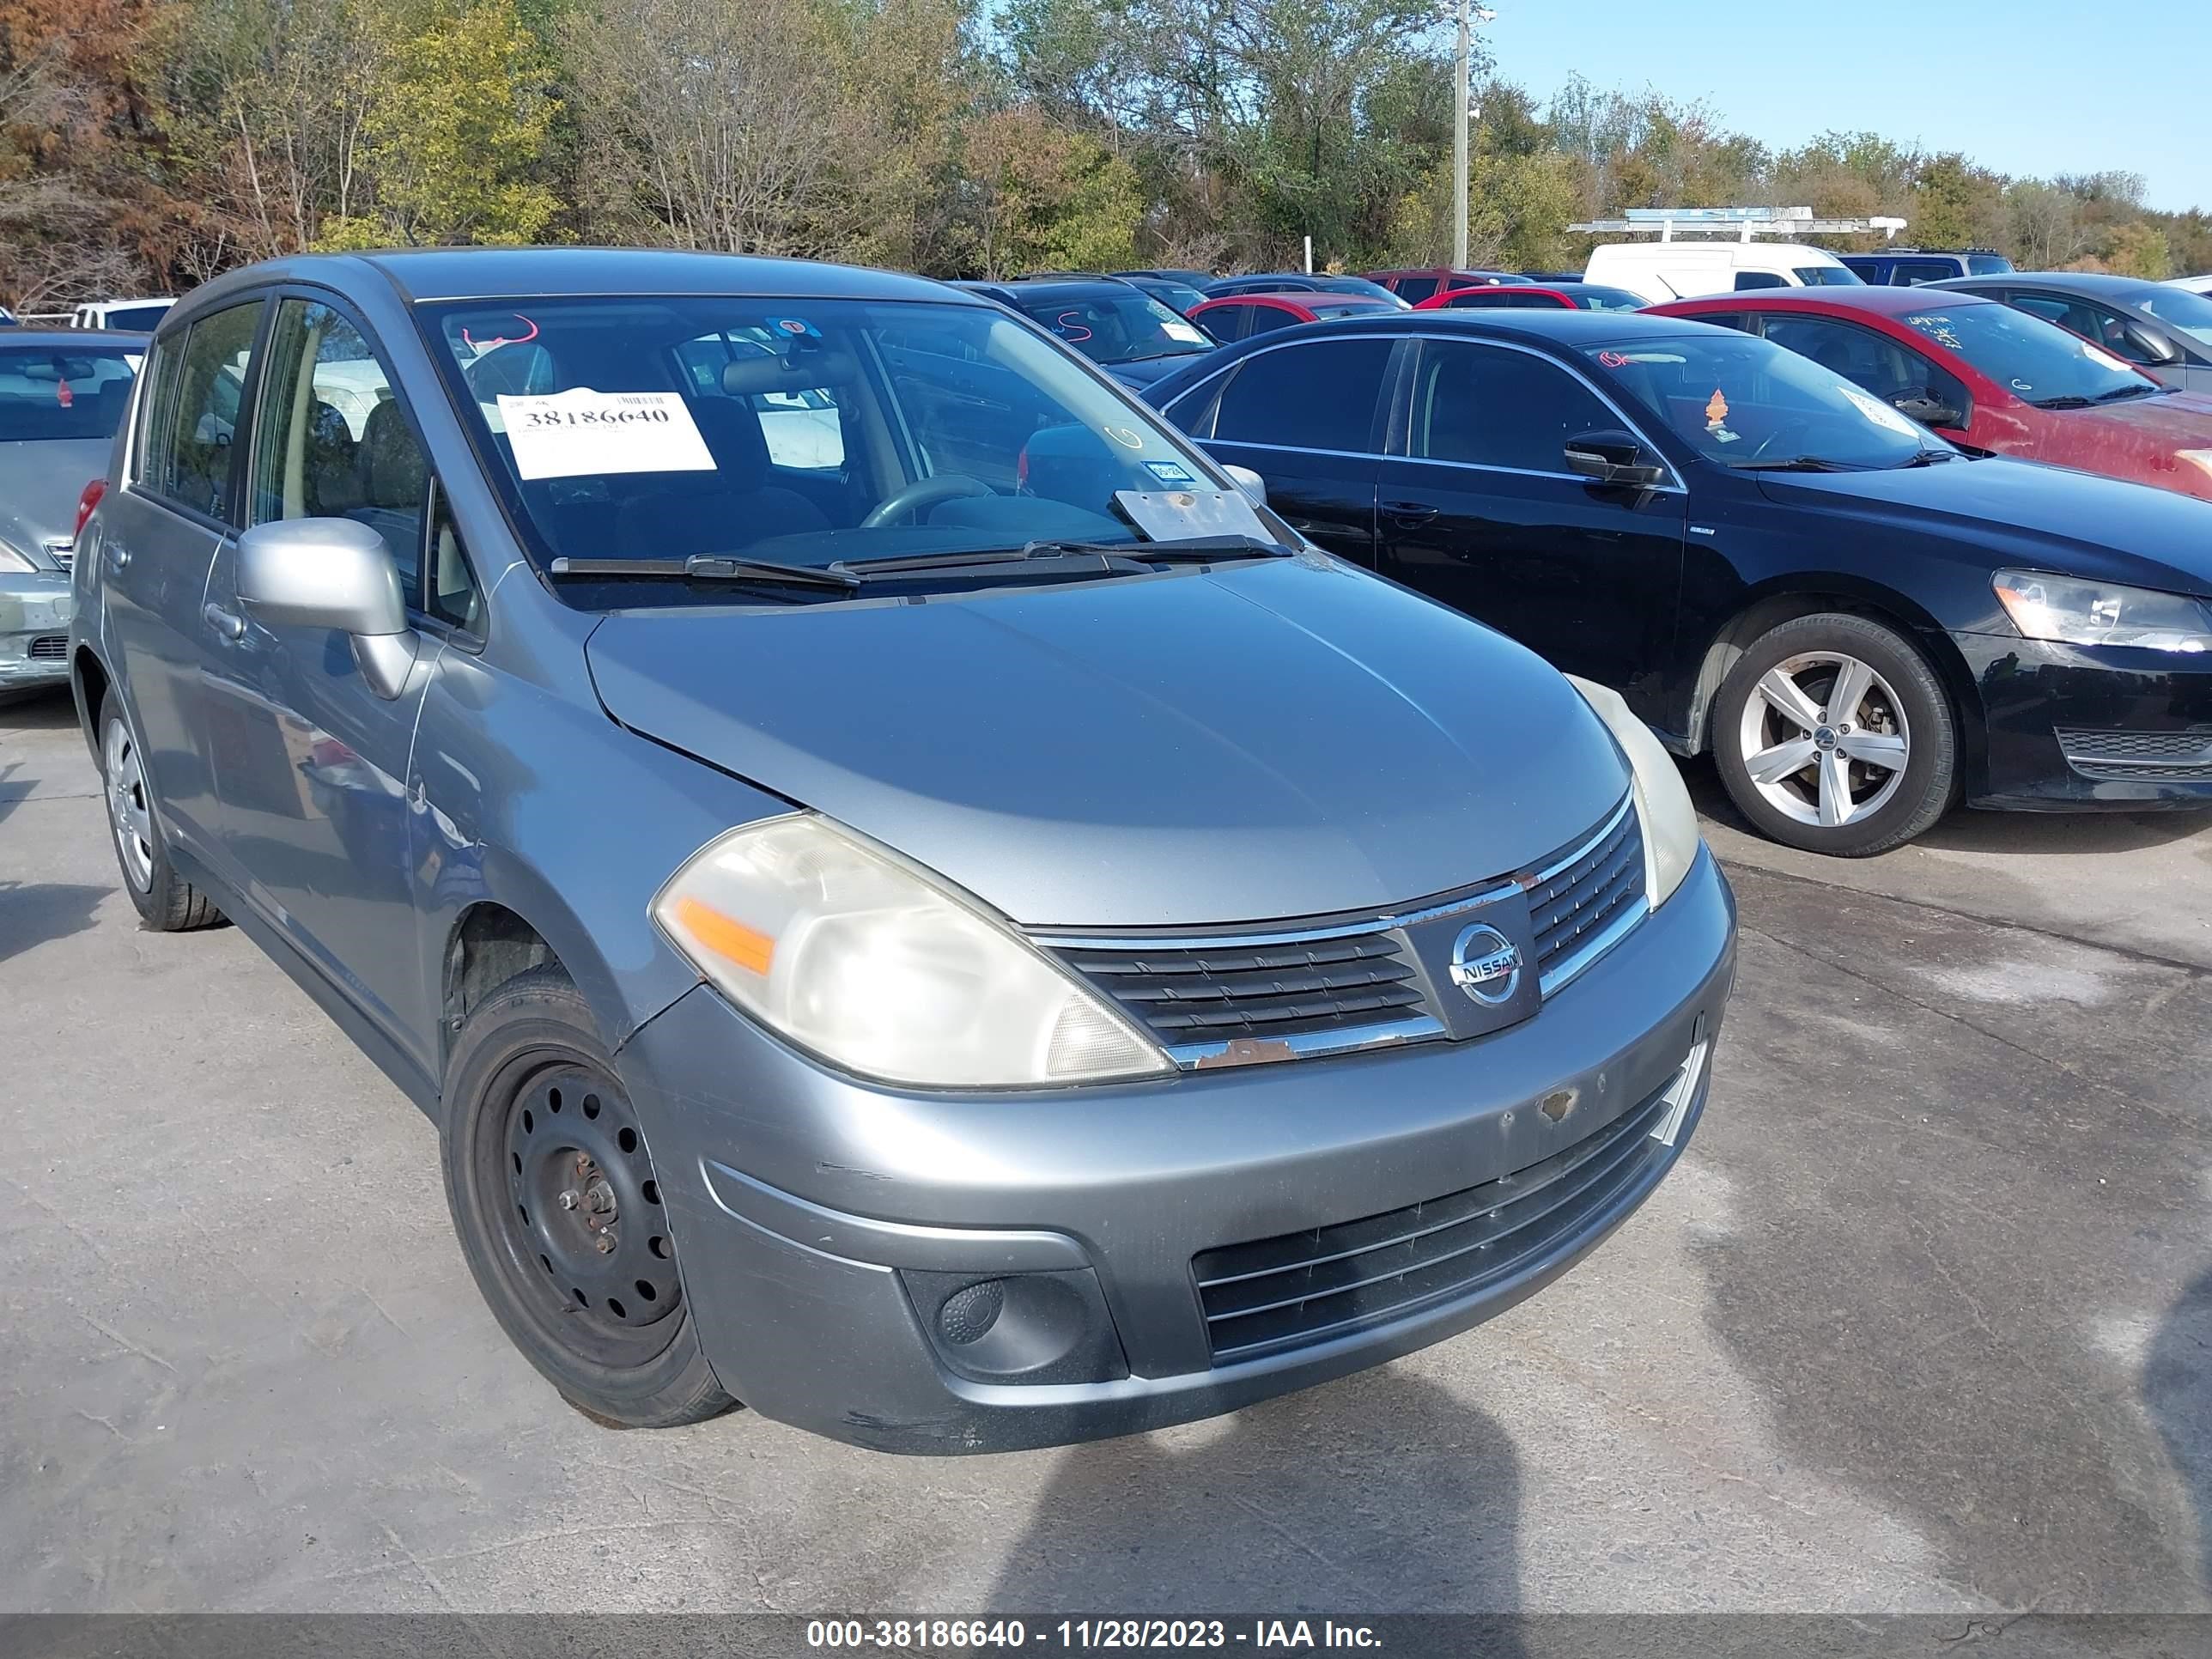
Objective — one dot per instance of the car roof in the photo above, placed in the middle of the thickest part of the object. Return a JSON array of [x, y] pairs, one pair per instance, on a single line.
[[121, 339], [1304, 296], [1572, 328], [483, 273], [2083, 282], [1882, 301]]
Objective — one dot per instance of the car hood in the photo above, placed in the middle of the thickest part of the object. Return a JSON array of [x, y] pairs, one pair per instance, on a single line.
[[1283, 739], [2018, 511], [39, 483], [2166, 440]]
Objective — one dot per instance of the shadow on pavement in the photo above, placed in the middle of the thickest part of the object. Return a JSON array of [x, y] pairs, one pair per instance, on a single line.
[[51, 710], [31, 913], [2177, 1388], [1378, 1492]]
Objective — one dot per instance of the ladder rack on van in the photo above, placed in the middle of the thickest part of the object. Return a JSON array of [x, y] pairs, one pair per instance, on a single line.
[[1742, 223]]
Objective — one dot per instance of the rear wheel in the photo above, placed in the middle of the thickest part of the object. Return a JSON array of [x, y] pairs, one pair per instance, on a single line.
[[559, 1210], [1832, 734], [166, 902]]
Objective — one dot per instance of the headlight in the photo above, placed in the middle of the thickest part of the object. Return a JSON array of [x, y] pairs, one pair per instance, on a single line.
[[13, 559], [1662, 802], [881, 970], [2078, 612]]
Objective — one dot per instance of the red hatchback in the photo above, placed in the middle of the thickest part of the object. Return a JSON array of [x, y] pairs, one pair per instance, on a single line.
[[1989, 377], [1239, 316]]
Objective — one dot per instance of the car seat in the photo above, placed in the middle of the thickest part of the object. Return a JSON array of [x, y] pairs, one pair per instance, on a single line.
[[738, 503]]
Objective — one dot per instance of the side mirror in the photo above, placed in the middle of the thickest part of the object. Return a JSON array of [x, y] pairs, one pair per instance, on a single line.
[[331, 572], [2152, 351], [1248, 481], [1614, 458], [1923, 406]]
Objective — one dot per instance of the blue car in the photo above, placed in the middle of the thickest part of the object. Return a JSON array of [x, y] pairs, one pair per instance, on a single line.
[[954, 946]]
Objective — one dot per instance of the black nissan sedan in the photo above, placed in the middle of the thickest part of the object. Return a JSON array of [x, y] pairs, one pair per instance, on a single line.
[[1862, 622]]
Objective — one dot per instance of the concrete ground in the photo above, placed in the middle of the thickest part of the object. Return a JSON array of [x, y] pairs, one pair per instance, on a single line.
[[1923, 1322]]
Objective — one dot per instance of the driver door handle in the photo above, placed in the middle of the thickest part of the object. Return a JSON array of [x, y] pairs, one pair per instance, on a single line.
[[228, 624], [117, 555]]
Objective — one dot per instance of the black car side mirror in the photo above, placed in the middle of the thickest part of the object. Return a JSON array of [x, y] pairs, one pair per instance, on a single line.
[[1923, 406], [1613, 457]]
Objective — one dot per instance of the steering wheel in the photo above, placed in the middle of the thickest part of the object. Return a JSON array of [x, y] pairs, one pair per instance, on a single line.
[[923, 492], [1759, 450]]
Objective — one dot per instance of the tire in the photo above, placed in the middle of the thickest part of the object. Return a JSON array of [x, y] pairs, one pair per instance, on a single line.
[[544, 1160], [1875, 776], [166, 902]]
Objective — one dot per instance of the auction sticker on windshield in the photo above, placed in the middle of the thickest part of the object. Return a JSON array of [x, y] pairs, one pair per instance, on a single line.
[[583, 433], [1878, 411]]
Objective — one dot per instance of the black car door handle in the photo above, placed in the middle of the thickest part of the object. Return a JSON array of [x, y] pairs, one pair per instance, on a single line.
[[1411, 513]]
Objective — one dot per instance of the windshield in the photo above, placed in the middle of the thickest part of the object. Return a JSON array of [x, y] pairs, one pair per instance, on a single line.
[[2041, 362], [2179, 308], [1742, 401], [1592, 297], [805, 431], [1121, 327], [1828, 276], [46, 393]]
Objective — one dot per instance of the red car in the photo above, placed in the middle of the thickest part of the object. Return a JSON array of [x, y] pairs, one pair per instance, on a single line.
[[1987, 376], [1239, 316], [1415, 286], [1570, 296]]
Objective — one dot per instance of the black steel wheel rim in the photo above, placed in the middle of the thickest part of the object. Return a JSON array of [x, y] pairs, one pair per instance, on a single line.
[[586, 1235]]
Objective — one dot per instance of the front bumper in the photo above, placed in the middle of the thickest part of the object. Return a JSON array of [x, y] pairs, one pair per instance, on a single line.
[[34, 624], [2073, 727], [822, 1222]]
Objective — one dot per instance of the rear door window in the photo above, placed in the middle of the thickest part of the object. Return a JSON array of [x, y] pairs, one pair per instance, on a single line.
[[1911, 273], [1319, 395], [187, 456], [1414, 289], [1747, 280], [1486, 405]]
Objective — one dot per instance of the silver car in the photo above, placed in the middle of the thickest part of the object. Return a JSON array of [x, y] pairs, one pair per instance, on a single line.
[[61, 396], [955, 940]]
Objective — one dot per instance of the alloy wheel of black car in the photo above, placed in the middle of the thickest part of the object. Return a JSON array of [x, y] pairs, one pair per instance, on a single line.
[[1831, 733], [560, 1213]]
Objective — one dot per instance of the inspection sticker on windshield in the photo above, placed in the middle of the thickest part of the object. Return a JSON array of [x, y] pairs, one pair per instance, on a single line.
[[583, 433], [1878, 411], [1173, 474], [1188, 333]]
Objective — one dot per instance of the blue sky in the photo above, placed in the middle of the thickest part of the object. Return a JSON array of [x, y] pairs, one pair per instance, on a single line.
[[2028, 87]]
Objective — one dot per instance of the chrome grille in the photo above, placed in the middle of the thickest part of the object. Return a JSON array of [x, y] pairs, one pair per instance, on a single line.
[[62, 553], [49, 647], [1316, 985], [1336, 983], [1576, 904]]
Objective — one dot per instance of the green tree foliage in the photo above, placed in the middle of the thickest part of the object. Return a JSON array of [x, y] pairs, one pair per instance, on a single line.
[[151, 143]]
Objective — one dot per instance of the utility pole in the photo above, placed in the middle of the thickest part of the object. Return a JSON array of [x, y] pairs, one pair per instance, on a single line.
[[1459, 145]]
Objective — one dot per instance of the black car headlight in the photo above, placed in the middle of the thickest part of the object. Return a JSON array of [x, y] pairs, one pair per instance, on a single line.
[[2071, 611]]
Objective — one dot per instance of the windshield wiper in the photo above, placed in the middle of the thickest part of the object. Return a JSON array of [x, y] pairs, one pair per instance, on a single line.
[[2118, 392], [1795, 464], [1929, 457], [2060, 403], [1126, 557], [705, 567]]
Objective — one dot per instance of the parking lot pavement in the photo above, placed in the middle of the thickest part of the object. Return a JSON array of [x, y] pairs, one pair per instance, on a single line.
[[1922, 1321]]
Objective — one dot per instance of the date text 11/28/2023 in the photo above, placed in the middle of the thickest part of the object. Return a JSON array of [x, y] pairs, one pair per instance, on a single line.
[[1085, 1635]]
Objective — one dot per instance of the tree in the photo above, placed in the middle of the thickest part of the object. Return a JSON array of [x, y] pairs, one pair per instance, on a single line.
[[1045, 198], [457, 119], [701, 121]]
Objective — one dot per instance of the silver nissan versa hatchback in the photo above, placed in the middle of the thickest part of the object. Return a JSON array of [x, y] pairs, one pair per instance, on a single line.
[[958, 942]]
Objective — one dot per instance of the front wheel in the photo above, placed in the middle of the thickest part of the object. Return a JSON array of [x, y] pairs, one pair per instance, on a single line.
[[1832, 734], [559, 1210]]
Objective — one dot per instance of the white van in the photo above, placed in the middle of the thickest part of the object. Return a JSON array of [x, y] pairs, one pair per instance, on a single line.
[[1660, 271], [136, 315]]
